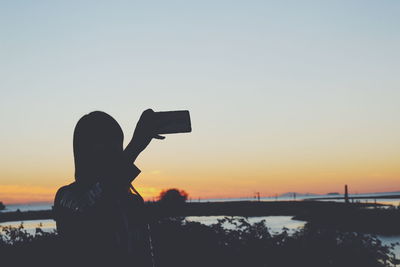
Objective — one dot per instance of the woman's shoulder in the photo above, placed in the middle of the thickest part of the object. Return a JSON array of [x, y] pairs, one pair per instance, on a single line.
[[78, 198], [63, 192]]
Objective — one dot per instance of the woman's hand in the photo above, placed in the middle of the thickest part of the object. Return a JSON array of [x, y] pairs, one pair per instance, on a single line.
[[145, 131]]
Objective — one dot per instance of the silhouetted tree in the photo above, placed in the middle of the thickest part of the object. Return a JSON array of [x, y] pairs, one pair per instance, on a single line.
[[173, 196]]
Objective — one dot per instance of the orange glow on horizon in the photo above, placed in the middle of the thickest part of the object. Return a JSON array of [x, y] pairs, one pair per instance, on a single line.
[[206, 178], [217, 188], [21, 194]]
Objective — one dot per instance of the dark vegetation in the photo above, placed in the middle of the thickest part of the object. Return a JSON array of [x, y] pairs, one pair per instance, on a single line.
[[2, 206], [173, 196], [230, 242], [20, 248]]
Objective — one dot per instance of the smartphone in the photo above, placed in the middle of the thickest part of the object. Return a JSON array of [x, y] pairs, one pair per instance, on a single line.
[[170, 122]]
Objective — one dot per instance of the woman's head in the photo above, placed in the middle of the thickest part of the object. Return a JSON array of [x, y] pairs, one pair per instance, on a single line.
[[98, 139]]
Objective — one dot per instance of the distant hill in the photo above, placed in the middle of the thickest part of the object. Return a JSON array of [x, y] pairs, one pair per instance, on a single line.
[[290, 194], [391, 192]]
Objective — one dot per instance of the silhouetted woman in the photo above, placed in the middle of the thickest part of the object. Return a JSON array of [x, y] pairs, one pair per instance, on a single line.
[[100, 216]]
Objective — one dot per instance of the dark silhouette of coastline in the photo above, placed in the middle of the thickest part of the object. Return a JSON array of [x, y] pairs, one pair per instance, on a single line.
[[352, 198], [363, 217]]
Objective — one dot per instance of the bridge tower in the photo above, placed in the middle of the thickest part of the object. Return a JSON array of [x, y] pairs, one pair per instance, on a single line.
[[346, 194]]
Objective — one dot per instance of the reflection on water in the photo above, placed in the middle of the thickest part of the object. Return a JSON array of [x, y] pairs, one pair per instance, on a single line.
[[387, 240], [274, 223], [31, 225]]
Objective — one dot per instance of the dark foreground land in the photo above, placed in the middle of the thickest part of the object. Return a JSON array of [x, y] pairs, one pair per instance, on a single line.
[[230, 242], [360, 217], [336, 235]]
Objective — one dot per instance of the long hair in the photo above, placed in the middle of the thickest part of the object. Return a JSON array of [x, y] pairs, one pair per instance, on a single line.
[[97, 138]]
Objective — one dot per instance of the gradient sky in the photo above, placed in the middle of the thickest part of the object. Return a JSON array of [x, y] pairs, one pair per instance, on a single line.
[[284, 95]]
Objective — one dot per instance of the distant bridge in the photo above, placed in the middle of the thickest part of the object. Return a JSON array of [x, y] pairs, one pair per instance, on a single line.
[[396, 196]]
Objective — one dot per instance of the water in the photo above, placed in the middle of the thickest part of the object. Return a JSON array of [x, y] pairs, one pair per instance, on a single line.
[[274, 223], [387, 240], [31, 225], [27, 207]]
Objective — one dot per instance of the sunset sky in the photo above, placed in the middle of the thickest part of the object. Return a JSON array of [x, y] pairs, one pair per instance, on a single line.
[[284, 95]]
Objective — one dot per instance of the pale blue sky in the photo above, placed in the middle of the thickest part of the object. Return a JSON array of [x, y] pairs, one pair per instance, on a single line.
[[265, 81]]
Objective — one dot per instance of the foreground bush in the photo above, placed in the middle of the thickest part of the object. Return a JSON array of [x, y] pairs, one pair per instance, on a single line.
[[230, 242], [235, 242], [18, 247]]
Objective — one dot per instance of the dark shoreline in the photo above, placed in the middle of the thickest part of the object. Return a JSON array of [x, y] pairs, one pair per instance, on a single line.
[[360, 217]]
